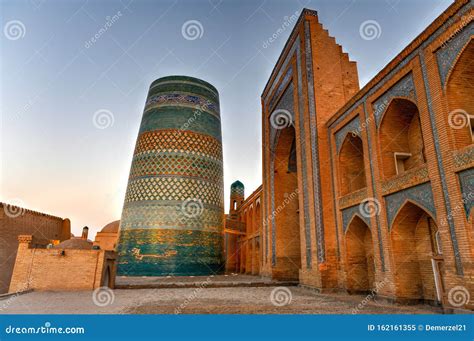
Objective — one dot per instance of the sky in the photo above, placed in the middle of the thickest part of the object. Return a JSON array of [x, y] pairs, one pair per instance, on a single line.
[[75, 75]]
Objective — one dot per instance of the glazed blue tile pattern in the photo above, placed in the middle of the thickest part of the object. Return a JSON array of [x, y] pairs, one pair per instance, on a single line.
[[304, 174], [333, 187], [173, 212], [183, 99], [181, 118], [442, 173], [466, 179], [169, 215], [318, 208], [183, 84], [353, 127], [374, 188], [420, 195], [418, 53], [348, 214], [237, 188], [449, 52], [403, 88], [281, 87]]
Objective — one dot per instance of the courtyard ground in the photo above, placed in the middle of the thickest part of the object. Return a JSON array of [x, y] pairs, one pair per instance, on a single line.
[[247, 295]]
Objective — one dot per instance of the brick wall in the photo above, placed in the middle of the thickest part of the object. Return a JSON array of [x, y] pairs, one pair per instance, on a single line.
[[49, 269], [15, 221]]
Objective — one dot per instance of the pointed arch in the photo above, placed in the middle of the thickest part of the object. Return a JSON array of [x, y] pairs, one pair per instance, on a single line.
[[400, 138], [352, 175], [418, 265], [360, 265], [459, 88], [286, 229]]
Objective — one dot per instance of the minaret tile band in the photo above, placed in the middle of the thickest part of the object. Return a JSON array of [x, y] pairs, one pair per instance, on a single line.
[[173, 212]]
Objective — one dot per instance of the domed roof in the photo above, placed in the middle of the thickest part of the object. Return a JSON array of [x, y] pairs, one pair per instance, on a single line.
[[112, 227], [237, 184], [75, 243]]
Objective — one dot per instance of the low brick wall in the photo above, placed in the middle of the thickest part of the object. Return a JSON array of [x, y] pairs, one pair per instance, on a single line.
[[62, 270], [15, 221]]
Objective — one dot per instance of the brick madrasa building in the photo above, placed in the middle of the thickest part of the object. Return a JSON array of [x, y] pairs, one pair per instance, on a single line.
[[371, 189]]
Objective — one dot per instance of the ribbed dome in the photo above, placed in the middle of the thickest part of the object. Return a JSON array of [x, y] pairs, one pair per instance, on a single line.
[[112, 227], [237, 184], [75, 243]]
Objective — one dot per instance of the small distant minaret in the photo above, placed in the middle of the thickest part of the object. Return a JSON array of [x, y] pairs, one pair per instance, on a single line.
[[237, 195], [85, 233]]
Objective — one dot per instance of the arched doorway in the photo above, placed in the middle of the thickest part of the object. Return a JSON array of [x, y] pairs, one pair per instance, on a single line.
[[351, 165], [417, 255], [107, 281], [459, 89], [400, 138], [288, 253], [360, 266]]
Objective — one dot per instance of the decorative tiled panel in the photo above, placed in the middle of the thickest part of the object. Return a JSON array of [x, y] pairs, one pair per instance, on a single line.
[[353, 127], [403, 88], [407, 179], [176, 163], [281, 87], [421, 195], [178, 141], [184, 84], [182, 99], [449, 51], [169, 214], [348, 214], [174, 188], [181, 119], [466, 179], [464, 158], [353, 198], [150, 252], [318, 206], [172, 217]]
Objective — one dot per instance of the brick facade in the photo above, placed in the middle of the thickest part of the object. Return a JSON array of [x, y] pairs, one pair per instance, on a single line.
[[383, 176], [39, 268], [16, 221]]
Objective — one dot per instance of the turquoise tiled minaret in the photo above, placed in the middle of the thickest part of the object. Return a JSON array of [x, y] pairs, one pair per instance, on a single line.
[[173, 212]]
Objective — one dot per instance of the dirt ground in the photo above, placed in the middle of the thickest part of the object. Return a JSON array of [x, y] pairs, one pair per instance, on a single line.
[[202, 300]]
